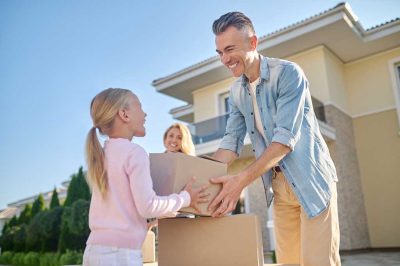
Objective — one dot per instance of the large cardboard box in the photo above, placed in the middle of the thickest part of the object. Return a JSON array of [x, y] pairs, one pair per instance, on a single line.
[[171, 171], [227, 241]]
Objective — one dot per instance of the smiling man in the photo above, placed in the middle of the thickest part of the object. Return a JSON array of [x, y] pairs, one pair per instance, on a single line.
[[271, 101]]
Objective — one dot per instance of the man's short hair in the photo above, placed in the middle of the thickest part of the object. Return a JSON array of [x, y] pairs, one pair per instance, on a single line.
[[235, 19]]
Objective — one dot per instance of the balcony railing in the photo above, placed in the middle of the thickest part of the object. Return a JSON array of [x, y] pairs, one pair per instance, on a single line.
[[213, 129]]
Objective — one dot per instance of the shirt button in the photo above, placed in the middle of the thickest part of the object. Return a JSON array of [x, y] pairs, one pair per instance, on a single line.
[[252, 132], [254, 150], [251, 113]]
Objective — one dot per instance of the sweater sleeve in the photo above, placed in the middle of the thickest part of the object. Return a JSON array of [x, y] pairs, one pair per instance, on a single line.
[[148, 204]]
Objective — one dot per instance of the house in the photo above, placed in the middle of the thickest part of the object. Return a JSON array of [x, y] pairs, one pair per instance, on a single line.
[[354, 81]]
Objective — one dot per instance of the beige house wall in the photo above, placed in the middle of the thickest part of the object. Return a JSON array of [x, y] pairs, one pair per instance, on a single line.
[[378, 150], [369, 83], [314, 65], [336, 80], [206, 100]]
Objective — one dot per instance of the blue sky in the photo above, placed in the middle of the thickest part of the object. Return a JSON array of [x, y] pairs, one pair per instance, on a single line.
[[56, 55]]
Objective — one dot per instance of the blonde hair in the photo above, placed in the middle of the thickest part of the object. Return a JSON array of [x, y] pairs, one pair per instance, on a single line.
[[186, 143], [103, 110]]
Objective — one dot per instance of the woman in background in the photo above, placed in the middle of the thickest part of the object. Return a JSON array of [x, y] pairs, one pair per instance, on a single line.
[[177, 138]]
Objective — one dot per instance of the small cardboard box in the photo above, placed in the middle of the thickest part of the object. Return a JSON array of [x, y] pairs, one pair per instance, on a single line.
[[149, 247], [171, 171], [227, 241]]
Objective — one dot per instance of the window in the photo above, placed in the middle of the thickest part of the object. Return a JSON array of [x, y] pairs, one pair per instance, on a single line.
[[394, 68], [224, 103]]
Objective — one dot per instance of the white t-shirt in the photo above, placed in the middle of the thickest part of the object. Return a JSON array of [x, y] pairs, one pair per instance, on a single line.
[[257, 117]]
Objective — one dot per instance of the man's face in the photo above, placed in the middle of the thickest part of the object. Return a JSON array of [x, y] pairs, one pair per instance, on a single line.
[[235, 48]]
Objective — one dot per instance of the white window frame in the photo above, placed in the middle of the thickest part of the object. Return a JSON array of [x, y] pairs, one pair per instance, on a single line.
[[394, 67], [221, 102]]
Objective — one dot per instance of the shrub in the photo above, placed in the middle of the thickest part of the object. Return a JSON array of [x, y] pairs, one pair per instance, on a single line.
[[18, 259], [49, 259], [71, 257], [6, 257], [31, 259]]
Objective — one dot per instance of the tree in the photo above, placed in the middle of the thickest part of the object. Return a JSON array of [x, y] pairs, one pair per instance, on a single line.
[[51, 228], [38, 205], [19, 237], [55, 202], [26, 215], [34, 234], [77, 189], [79, 219], [12, 222], [75, 227]]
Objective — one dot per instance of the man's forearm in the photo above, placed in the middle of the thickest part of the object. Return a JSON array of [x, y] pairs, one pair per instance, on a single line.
[[271, 156]]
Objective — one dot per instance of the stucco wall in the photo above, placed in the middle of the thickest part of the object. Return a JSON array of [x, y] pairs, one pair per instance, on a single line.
[[378, 150], [369, 83]]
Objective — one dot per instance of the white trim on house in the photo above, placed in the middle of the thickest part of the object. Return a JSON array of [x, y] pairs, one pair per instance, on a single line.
[[376, 111], [394, 76], [182, 111], [328, 132]]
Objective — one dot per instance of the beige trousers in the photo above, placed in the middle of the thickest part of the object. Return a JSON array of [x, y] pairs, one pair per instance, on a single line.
[[299, 239]]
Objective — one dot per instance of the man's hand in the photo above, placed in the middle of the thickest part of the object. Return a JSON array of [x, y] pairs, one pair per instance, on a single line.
[[228, 197]]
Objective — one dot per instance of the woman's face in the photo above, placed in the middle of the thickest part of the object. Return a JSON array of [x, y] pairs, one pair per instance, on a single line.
[[173, 140]]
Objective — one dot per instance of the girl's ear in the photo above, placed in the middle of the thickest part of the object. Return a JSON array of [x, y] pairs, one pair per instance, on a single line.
[[123, 114]]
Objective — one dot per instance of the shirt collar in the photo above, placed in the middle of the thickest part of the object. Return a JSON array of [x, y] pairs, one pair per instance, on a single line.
[[264, 70]]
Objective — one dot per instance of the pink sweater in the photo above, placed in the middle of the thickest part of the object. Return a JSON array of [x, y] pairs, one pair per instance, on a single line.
[[120, 218]]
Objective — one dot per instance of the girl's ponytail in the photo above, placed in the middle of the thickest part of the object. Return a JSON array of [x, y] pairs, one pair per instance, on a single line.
[[95, 161]]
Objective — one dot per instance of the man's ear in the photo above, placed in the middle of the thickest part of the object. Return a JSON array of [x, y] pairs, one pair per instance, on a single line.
[[123, 114], [253, 42]]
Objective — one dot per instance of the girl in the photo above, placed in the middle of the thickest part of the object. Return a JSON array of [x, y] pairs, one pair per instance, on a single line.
[[177, 138], [119, 175]]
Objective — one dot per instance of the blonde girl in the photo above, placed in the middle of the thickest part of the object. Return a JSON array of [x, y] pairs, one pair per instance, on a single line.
[[119, 176]]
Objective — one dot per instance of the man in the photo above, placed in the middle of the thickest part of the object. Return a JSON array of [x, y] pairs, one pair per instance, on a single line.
[[271, 101]]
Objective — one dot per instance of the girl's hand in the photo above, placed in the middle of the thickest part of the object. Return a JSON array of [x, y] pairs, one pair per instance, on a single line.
[[197, 195]]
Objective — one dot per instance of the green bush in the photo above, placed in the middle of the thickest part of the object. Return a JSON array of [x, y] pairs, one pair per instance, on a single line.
[[49, 259], [31, 259], [6, 257], [71, 257], [18, 259]]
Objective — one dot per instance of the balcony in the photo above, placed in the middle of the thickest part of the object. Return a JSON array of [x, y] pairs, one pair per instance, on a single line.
[[214, 129]]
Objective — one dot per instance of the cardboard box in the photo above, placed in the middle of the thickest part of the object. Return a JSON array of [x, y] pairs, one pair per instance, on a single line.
[[227, 241], [171, 171], [149, 247]]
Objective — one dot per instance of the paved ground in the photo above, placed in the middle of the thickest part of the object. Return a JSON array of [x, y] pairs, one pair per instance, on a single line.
[[358, 258], [372, 258], [367, 258]]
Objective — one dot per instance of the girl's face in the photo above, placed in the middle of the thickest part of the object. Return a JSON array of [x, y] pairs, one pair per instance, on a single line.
[[173, 140], [137, 117]]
